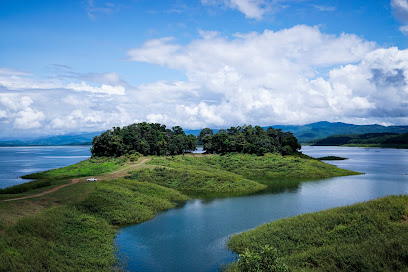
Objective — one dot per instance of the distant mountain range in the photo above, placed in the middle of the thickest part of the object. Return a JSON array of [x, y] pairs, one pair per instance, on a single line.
[[311, 132], [385, 139], [69, 139], [305, 133]]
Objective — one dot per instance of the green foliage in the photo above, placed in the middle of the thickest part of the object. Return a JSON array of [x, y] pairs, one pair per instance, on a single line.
[[89, 167], [370, 236], [144, 138], [248, 139], [123, 201], [264, 260], [385, 139], [21, 188], [194, 180], [60, 239], [269, 166], [79, 236]]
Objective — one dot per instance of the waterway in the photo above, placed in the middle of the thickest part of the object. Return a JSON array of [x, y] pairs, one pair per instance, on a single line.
[[19, 161], [193, 237]]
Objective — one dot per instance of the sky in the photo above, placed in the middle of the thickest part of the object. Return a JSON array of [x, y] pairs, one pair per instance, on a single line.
[[73, 66]]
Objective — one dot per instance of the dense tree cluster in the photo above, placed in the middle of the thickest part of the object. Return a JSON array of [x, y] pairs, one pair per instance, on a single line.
[[248, 139], [144, 138]]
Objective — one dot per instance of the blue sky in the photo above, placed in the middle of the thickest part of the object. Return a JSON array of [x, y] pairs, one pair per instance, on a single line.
[[73, 66]]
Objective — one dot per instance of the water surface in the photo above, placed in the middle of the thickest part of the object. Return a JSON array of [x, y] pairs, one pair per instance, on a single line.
[[193, 237], [20, 161]]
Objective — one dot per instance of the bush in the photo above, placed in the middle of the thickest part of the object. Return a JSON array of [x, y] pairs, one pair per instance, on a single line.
[[266, 259]]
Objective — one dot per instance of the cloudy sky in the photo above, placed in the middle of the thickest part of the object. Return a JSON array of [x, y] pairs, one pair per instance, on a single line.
[[75, 66]]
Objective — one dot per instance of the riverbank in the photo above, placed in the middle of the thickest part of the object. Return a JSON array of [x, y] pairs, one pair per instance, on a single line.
[[369, 236], [74, 227]]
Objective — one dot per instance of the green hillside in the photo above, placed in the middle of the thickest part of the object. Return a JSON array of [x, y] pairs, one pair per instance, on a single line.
[[386, 139]]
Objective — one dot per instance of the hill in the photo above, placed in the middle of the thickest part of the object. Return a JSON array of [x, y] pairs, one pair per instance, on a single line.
[[68, 139], [304, 133], [386, 139], [311, 132]]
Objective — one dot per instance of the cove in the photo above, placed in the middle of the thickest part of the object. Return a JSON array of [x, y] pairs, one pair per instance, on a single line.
[[193, 237]]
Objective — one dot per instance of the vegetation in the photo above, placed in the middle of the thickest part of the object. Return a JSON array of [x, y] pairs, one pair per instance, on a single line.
[[248, 139], [370, 139], [270, 166], [144, 138], [369, 236], [194, 180], [21, 188], [73, 228], [78, 236], [265, 259], [89, 167], [331, 158]]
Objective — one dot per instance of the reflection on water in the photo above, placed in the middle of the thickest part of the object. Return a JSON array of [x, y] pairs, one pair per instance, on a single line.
[[192, 237]]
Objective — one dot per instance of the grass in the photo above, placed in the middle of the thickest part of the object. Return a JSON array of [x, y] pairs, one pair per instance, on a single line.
[[73, 228], [196, 173], [78, 236], [89, 167], [369, 236], [194, 180]]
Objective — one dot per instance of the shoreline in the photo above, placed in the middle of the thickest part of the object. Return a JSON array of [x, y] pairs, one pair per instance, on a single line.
[[121, 209]]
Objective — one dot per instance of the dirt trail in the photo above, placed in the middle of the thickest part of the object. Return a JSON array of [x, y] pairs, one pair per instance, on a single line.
[[117, 174]]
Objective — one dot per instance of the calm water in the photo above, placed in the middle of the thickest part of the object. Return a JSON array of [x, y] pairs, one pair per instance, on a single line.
[[193, 237], [20, 161]]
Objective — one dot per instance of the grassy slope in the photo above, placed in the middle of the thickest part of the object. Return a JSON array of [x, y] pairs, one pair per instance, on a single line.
[[93, 166], [369, 236], [269, 167], [78, 236], [73, 229]]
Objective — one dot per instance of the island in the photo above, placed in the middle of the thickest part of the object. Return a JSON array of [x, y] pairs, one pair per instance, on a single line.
[[60, 221]]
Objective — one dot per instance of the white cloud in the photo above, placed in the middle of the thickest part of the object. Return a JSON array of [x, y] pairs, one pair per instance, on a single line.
[[400, 8], [104, 89], [254, 78], [253, 9], [29, 119], [272, 77]]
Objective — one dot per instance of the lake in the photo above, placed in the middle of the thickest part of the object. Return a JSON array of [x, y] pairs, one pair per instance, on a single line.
[[193, 237], [20, 161]]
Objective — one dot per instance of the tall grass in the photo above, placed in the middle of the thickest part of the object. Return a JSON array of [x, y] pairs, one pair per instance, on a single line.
[[370, 236], [79, 236], [89, 167]]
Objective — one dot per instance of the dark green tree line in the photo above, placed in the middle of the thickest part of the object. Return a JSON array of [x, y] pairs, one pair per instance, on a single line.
[[248, 139], [144, 138]]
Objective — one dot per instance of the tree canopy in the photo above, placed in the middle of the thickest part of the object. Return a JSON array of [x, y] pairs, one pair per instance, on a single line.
[[248, 139], [144, 138]]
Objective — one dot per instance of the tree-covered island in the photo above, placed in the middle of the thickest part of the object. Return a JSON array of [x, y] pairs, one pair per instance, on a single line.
[[60, 222]]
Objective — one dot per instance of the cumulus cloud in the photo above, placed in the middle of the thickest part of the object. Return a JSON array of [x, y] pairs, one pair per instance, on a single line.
[[400, 8], [273, 78], [253, 9], [104, 89], [29, 119]]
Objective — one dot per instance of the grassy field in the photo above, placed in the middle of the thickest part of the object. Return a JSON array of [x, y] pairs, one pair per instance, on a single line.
[[233, 172], [72, 229], [89, 167], [370, 236]]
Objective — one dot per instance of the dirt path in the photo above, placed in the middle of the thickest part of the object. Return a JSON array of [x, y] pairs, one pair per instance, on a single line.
[[117, 174]]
